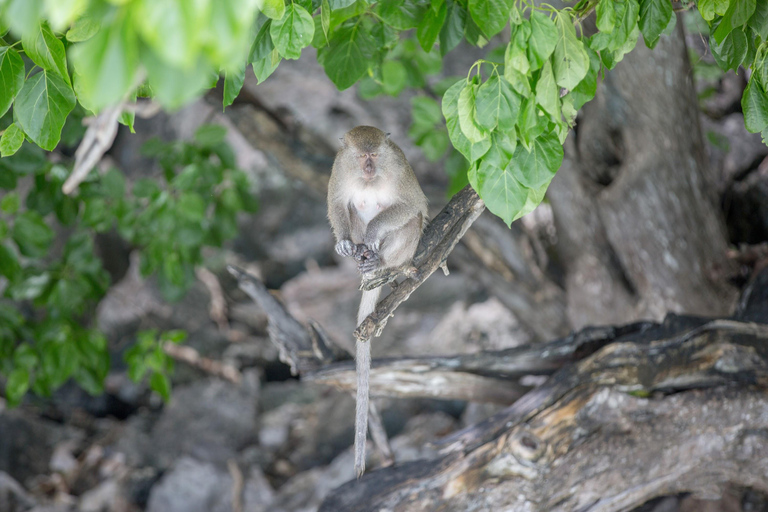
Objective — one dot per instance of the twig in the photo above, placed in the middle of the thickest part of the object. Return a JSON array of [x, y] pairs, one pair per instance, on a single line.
[[193, 358], [379, 435], [97, 140], [237, 485], [300, 348], [218, 307]]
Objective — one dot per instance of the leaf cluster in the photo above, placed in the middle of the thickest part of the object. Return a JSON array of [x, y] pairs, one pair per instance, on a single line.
[[51, 291]]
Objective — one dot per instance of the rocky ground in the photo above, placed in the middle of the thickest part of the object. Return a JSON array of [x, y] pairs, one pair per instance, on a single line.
[[261, 439]]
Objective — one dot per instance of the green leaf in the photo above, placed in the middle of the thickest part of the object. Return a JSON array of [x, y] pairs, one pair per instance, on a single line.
[[535, 168], [655, 15], [453, 29], [112, 184], [83, 29], [497, 104], [606, 16], [587, 88], [325, 18], [450, 109], [738, 13], [191, 206], [106, 64], [759, 20], [393, 77], [127, 116], [515, 57], [501, 192], [263, 68], [754, 104], [9, 263], [30, 288], [709, 8], [399, 14], [627, 14], [293, 31], [159, 382], [273, 9], [425, 111], [530, 123], [173, 87], [23, 15], [502, 149], [570, 60], [262, 45], [171, 28], [431, 25], [32, 234], [42, 106], [730, 53], [233, 82], [11, 77], [45, 50], [434, 145], [467, 107], [347, 57], [547, 94], [11, 140], [17, 385], [10, 203], [543, 39], [263, 55], [490, 15]]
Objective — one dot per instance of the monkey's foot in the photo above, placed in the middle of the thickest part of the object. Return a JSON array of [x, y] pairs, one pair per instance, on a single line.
[[368, 261], [347, 248]]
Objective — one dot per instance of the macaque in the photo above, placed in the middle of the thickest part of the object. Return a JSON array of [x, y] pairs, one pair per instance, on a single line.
[[377, 211]]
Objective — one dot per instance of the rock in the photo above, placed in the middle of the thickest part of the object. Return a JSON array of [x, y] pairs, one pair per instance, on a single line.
[[209, 419], [195, 486], [27, 443], [299, 432], [305, 491], [13, 497], [258, 495], [192, 486], [102, 498]]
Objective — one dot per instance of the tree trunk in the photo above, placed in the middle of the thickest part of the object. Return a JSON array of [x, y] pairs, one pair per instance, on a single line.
[[637, 232]]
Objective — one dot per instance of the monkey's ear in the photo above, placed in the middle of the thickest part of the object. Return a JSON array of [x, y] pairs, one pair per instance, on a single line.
[[343, 142], [387, 134]]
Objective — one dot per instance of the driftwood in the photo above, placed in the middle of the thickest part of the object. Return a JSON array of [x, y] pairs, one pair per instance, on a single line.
[[638, 419]]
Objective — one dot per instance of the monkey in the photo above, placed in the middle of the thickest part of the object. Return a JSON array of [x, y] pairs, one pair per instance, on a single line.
[[377, 212]]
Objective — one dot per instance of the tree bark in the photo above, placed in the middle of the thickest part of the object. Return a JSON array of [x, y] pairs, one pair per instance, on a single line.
[[652, 415], [638, 233]]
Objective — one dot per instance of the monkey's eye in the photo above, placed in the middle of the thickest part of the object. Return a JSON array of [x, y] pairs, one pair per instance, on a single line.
[[374, 154]]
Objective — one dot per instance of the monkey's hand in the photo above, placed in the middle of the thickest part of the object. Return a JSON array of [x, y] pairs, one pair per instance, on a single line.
[[348, 249], [368, 260]]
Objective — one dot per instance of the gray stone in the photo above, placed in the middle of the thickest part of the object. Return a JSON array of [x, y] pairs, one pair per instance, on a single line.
[[211, 420], [13, 497], [192, 486], [27, 443]]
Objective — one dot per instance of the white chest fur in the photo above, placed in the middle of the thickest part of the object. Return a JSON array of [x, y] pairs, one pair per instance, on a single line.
[[370, 201]]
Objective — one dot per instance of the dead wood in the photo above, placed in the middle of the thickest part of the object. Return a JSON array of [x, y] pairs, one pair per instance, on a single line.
[[642, 417]]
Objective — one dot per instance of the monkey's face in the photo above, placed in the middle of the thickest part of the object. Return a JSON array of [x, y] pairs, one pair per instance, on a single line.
[[368, 162]]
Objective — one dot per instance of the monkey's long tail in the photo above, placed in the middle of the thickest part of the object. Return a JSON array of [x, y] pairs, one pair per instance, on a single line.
[[363, 358]]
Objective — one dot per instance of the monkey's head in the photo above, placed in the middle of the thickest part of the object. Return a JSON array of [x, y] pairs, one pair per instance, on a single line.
[[366, 145]]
